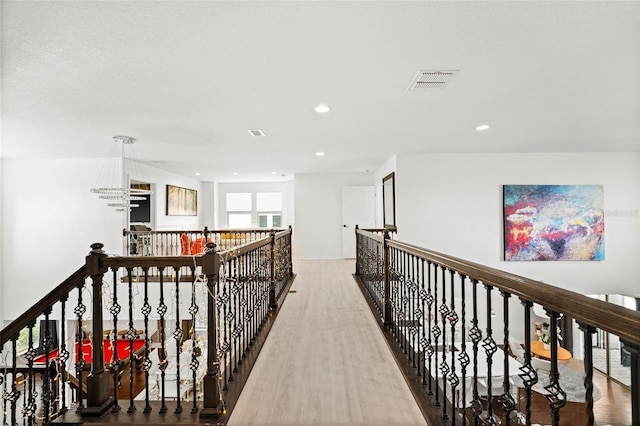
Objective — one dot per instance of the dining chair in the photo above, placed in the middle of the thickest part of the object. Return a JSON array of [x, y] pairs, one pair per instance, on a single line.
[[515, 348], [541, 365], [496, 383]]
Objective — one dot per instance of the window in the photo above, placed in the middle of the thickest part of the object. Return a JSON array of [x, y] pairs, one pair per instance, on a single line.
[[238, 201], [239, 209], [269, 220], [251, 209], [239, 220], [269, 209]]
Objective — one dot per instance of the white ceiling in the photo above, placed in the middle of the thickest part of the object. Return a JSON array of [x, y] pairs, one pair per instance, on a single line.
[[189, 79]]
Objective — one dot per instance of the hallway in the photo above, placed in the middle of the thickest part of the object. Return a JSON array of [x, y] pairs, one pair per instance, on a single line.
[[325, 361]]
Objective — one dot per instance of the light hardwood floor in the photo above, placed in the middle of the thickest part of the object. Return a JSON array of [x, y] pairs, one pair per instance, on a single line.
[[325, 361]]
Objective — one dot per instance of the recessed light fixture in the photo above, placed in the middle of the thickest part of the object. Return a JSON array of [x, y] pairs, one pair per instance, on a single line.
[[235, 173], [322, 109], [320, 154], [197, 173], [482, 127], [273, 173], [256, 132]]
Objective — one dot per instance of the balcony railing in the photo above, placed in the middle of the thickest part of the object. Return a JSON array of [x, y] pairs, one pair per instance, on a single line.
[[192, 333], [441, 313], [187, 242]]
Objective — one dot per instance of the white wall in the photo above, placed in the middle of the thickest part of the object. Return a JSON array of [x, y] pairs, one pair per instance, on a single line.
[[50, 219], [318, 209], [2, 297], [452, 203], [207, 205]]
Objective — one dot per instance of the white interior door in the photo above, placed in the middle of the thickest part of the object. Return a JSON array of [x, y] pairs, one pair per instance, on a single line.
[[358, 208]]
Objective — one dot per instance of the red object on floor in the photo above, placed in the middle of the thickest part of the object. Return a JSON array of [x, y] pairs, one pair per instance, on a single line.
[[122, 346]]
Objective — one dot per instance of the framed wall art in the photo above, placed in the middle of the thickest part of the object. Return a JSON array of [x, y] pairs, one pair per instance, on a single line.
[[181, 201], [553, 222], [389, 201]]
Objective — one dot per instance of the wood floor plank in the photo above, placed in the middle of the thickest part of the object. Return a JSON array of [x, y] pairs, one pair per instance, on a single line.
[[325, 361]]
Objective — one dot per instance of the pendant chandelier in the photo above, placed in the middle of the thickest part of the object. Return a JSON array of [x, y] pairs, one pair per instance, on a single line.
[[112, 183]]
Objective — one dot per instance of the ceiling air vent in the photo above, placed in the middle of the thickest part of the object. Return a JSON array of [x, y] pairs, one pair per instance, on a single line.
[[432, 80], [256, 132]]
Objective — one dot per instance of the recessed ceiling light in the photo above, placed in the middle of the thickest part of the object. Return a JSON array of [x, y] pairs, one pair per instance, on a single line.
[[320, 154], [482, 127], [256, 132], [273, 173], [322, 109], [235, 173]]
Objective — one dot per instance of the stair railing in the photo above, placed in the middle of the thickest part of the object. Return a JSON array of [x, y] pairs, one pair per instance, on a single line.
[[440, 312], [192, 332]]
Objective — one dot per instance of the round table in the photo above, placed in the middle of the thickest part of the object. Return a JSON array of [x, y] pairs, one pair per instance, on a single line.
[[537, 348]]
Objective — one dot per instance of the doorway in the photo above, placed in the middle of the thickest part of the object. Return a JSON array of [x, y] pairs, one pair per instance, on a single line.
[[358, 208]]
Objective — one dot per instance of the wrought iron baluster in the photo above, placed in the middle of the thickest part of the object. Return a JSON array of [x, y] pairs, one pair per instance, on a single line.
[[476, 336], [528, 374], [224, 299], [444, 366], [47, 392], [196, 351], [219, 318], [3, 383], [238, 325], [178, 335], [244, 303], [256, 279], [556, 395], [29, 409], [379, 274], [490, 348], [429, 348], [79, 310], [14, 395], [587, 331], [452, 316], [162, 310], [394, 280], [146, 364], [422, 294], [130, 335], [230, 318], [464, 356], [436, 331], [63, 355], [506, 400], [413, 326], [403, 323], [116, 364]]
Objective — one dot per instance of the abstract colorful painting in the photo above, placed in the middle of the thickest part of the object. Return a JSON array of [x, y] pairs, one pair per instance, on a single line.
[[553, 222]]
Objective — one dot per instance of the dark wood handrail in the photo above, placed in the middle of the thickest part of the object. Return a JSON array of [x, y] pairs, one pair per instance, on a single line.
[[247, 247], [14, 328], [614, 319], [152, 261], [126, 232]]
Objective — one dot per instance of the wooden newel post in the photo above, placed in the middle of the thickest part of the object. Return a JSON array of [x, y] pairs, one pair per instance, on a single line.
[[290, 251], [98, 398], [212, 404], [357, 252], [387, 279], [273, 303], [635, 382]]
